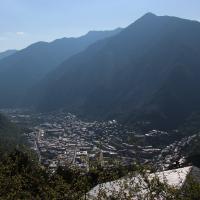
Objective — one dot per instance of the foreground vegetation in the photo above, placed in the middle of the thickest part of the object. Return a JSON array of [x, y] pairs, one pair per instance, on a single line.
[[22, 177], [10, 135]]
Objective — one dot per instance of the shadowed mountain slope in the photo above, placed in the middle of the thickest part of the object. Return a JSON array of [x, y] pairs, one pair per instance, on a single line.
[[150, 70], [20, 71]]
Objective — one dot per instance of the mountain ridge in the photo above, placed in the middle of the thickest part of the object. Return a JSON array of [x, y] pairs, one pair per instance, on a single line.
[[123, 75], [21, 71], [7, 53]]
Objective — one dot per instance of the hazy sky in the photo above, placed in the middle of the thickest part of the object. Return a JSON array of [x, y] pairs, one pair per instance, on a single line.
[[23, 22]]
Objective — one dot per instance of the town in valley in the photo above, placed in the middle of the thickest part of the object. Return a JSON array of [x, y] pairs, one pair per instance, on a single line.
[[62, 139]]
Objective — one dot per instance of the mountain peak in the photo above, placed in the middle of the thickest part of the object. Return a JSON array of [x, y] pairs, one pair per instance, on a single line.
[[149, 14]]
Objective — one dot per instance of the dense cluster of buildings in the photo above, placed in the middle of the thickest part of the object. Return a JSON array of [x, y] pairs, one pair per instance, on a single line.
[[66, 140], [62, 139]]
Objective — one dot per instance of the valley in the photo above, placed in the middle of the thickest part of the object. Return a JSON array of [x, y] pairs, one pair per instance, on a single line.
[[62, 139]]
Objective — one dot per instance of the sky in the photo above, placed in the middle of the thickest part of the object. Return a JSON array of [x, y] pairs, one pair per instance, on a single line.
[[23, 22]]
